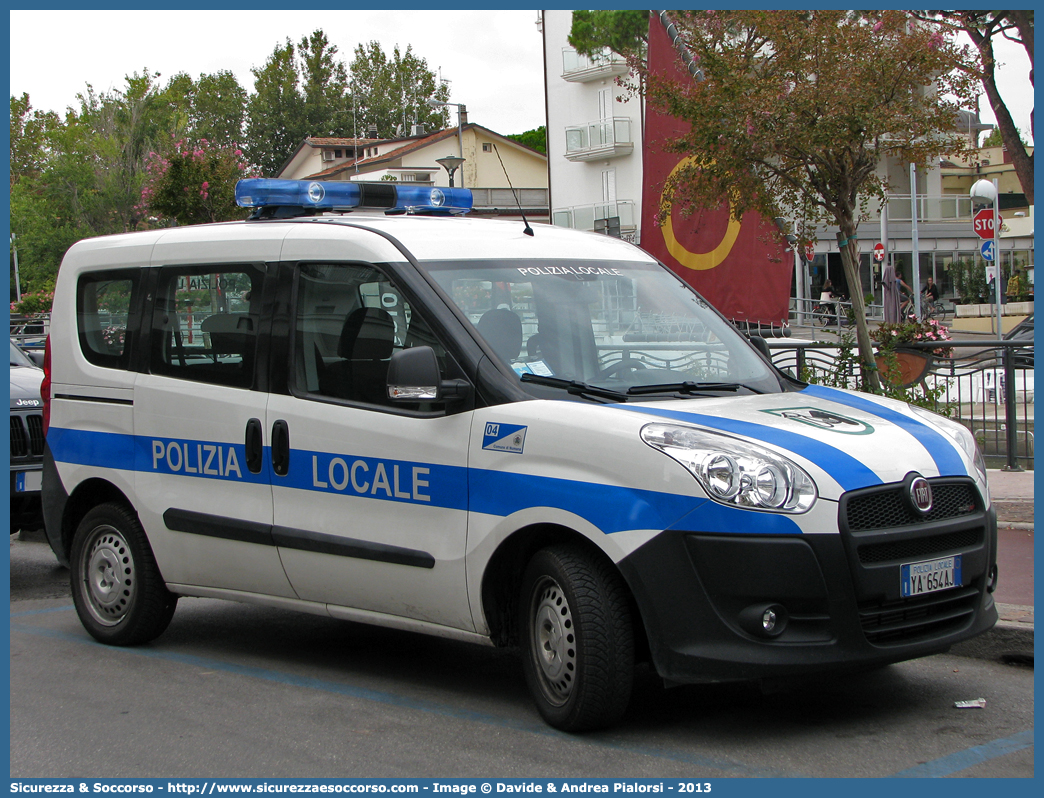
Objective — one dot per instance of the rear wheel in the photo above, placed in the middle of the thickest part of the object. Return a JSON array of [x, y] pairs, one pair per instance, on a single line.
[[116, 585], [578, 646]]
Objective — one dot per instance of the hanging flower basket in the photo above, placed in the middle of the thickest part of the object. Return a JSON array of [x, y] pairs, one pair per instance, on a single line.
[[903, 367]]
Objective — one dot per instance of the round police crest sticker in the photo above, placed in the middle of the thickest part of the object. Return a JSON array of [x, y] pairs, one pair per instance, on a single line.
[[823, 419]]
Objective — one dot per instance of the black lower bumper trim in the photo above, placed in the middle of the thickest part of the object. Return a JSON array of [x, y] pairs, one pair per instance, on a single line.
[[697, 594]]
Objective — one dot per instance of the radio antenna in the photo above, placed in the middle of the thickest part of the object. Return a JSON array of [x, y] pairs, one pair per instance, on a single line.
[[528, 230]]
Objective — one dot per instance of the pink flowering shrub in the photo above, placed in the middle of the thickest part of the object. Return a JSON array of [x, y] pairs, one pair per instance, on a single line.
[[889, 336], [35, 303], [194, 184]]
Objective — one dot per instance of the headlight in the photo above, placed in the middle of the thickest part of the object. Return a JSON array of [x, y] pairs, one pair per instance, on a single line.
[[960, 435], [735, 472]]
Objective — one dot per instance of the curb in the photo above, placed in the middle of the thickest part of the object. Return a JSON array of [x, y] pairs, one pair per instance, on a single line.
[[1010, 640]]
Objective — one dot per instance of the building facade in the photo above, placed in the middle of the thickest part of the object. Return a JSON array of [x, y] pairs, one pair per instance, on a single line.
[[502, 174], [595, 135]]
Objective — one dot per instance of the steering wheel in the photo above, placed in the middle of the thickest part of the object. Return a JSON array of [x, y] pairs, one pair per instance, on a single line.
[[628, 364]]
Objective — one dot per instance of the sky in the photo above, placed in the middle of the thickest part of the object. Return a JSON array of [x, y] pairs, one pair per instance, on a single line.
[[492, 59]]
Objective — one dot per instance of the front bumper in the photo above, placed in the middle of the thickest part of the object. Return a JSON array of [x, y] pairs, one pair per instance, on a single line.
[[26, 509], [701, 596]]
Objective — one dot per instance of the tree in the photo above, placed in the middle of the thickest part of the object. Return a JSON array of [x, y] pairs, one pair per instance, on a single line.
[[195, 184], [81, 176], [623, 32], [217, 109], [44, 197], [324, 84], [983, 27], [798, 109], [30, 138], [534, 139], [299, 92], [275, 111], [114, 132], [391, 94]]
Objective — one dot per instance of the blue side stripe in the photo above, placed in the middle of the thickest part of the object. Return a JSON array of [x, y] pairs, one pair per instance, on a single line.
[[401, 481], [718, 518], [611, 509], [101, 449], [849, 472], [607, 507], [940, 447]]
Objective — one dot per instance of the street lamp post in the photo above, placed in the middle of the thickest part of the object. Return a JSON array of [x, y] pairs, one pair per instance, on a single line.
[[18, 286], [450, 164], [986, 192], [461, 110]]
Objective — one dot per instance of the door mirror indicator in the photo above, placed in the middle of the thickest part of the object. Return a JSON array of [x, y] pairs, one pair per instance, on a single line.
[[413, 376]]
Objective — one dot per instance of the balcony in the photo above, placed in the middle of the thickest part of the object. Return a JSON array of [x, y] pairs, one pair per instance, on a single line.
[[602, 217], [578, 68], [503, 199], [600, 139]]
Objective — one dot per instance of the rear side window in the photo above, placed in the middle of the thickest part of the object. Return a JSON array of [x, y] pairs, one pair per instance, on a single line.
[[106, 316], [205, 323]]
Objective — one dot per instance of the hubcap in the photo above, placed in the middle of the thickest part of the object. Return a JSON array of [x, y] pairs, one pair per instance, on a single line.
[[108, 576], [554, 640]]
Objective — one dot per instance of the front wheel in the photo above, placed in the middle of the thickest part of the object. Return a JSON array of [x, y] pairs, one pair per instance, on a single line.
[[578, 641], [116, 586]]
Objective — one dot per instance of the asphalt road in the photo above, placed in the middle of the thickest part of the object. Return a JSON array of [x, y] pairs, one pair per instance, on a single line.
[[234, 690]]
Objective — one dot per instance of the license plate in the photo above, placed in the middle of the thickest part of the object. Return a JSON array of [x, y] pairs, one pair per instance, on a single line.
[[917, 578], [28, 481]]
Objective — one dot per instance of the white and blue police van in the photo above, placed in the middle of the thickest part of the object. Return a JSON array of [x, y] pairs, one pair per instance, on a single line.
[[532, 438]]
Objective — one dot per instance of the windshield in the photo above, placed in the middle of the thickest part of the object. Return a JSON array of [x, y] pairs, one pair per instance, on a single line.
[[19, 358], [619, 326]]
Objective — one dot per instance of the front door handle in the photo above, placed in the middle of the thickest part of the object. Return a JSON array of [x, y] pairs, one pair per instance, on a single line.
[[280, 448], [254, 446]]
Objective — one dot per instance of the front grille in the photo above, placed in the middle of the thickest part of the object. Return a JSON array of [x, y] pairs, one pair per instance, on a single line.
[[914, 548], [36, 434], [27, 436], [934, 615], [886, 509]]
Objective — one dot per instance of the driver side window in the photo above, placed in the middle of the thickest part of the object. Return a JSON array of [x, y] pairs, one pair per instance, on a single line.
[[350, 320]]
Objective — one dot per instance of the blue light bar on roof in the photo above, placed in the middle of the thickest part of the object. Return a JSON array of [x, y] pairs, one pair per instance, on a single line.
[[313, 195]]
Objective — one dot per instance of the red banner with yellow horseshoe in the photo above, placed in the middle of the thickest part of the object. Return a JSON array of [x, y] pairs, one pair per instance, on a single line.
[[741, 267]]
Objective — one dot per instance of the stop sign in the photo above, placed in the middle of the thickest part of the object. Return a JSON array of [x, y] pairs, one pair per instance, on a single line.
[[983, 223]]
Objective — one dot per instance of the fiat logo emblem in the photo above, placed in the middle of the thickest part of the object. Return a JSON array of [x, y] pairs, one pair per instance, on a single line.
[[921, 494]]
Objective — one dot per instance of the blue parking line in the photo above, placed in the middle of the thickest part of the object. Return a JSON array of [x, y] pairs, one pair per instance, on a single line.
[[969, 757], [28, 613], [938, 768]]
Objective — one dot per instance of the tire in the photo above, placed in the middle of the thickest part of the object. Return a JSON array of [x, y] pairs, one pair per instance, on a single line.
[[578, 640], [116, 586]]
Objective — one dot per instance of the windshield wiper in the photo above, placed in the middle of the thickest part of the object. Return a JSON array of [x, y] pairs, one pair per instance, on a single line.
[[689, 388], [573, 387]]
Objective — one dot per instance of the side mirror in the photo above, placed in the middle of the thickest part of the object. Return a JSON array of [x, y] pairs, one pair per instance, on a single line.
[[413, 376]]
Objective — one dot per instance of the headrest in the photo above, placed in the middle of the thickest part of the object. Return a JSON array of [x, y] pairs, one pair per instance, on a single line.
[[368, 334], [502, 330]]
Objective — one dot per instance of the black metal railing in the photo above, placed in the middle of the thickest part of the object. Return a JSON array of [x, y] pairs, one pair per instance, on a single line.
[[987, 385]]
